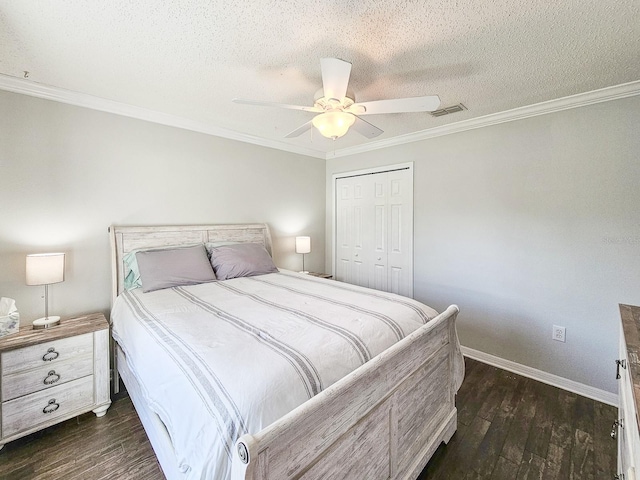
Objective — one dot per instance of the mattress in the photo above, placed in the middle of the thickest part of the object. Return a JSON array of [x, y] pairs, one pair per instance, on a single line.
[[221, 359]]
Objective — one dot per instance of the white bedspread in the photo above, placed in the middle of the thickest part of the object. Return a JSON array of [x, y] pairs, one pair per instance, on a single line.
[[218, 360]]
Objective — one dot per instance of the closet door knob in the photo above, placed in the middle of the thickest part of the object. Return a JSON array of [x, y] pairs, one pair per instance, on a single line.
[[614, 429]]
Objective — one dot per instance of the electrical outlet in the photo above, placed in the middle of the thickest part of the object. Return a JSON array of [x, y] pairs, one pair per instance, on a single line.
[[558, 333]]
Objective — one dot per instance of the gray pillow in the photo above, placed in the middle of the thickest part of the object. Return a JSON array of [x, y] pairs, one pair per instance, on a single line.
[[241, 260], [130, 262], [174, 267]]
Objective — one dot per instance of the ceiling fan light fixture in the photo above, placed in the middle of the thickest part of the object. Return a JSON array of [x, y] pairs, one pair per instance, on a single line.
[[333, 124], [337, 109]]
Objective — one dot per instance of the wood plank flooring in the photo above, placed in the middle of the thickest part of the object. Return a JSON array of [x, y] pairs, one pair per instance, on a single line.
[[509, 428], [514, 428], [85, 448]]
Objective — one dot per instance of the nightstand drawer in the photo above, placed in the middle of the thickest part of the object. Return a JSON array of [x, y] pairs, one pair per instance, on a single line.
[[46, 376], [43, 407], [46, 354]]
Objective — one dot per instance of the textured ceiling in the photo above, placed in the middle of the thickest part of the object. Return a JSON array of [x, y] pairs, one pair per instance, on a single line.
[[191, 57]]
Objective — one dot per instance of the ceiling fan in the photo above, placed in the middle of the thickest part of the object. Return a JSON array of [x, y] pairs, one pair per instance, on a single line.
[[337, 108]]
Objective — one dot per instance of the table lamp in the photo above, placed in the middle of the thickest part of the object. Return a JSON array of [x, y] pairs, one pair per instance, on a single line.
[[45, 269], [303, 245]]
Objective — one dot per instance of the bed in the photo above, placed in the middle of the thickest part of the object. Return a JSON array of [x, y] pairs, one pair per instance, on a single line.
[[379, 409]]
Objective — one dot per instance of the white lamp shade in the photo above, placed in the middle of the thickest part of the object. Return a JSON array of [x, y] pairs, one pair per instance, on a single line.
[[333, 124], [303, 244], [45, 268]]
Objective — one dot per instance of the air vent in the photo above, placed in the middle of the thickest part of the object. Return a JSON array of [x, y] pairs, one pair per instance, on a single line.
[[447, 110]]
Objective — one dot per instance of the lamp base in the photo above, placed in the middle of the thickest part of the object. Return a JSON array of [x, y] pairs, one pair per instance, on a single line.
[[46, 322], [303, 271]]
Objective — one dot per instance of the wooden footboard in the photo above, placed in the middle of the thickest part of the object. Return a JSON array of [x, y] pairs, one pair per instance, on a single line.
[[383, 421]]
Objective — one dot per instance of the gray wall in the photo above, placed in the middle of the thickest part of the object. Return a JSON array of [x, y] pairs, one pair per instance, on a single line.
[[525, 225], [68, 173]]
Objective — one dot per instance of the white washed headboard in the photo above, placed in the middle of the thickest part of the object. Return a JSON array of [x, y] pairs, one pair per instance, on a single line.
[[126, 239]]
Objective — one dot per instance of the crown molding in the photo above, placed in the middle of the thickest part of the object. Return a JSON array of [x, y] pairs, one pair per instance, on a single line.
[[550, 379], [565, 103], [47, 92]]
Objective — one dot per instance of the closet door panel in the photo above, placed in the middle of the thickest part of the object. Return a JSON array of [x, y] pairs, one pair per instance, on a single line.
[[395, 280], [344, 206], [374, 244], [380, 249], [395, 229], [362, 228], [400, 232], [354, 226]]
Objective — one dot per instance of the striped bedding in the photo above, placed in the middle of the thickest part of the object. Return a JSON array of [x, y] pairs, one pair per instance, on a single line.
[[218, 360]]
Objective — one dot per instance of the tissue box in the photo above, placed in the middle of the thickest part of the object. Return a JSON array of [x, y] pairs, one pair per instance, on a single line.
[[9, 324]]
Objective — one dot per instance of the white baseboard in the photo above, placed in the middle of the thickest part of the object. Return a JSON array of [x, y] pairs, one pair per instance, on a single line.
[[544, 377]]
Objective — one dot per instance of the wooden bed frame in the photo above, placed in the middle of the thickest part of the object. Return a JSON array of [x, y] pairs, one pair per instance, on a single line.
[[382, 421]]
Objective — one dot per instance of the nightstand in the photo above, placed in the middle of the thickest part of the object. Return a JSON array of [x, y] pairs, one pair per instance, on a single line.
[[321, 275], [51, 375]]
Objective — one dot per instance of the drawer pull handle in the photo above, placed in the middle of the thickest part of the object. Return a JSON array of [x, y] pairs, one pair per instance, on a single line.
[[51, 407], [50, 355], [51, 378]]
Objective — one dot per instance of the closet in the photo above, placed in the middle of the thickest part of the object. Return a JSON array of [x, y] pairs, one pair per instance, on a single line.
[[374, 229]]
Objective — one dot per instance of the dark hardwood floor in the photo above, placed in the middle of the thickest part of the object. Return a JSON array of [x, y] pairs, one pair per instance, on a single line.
[[85, 448], [509, 428], [514, 428]]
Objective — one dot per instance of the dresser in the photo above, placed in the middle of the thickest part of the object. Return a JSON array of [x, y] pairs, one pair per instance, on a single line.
[[51, 375], [627, 427]]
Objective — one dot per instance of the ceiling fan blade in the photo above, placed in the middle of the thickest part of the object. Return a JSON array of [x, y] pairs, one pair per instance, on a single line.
[[300, 130], [366, 129], [335, 77], [279, 105], [396, 105]]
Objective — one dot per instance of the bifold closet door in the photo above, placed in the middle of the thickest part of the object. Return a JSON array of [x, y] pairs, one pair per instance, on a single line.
[[374, 231], [354, 230]]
